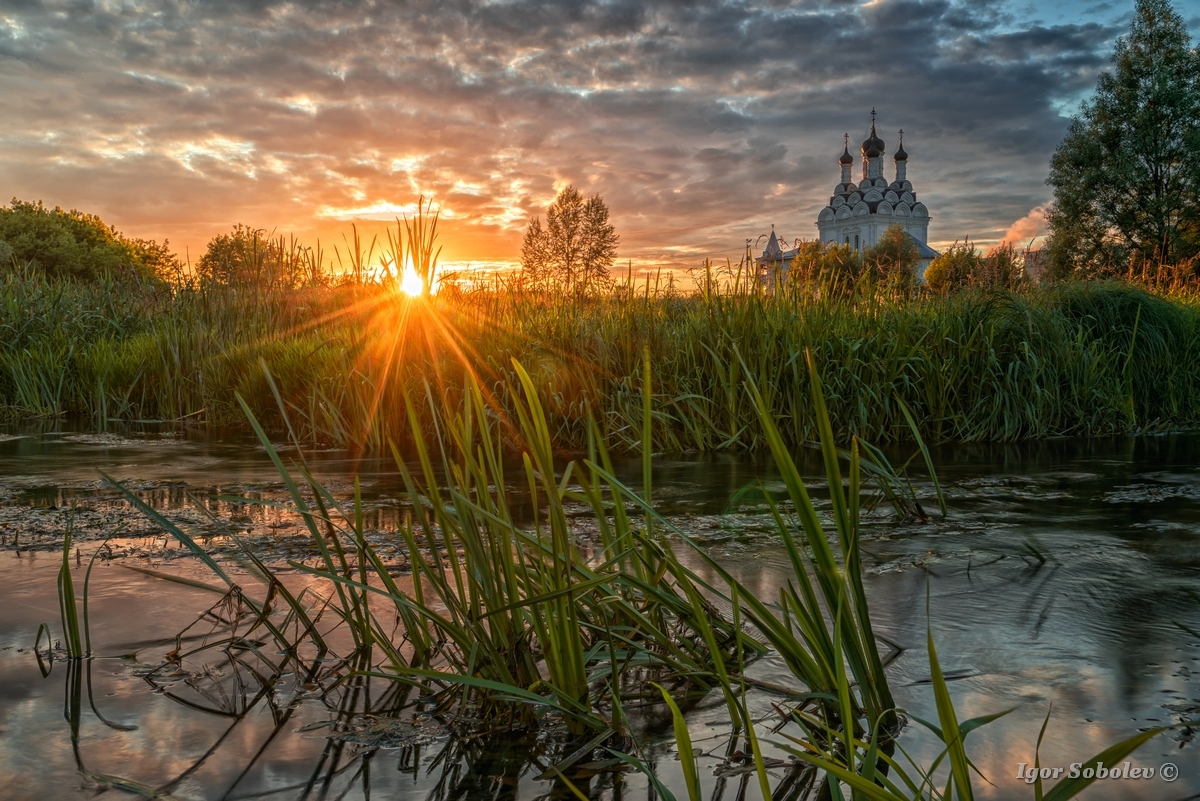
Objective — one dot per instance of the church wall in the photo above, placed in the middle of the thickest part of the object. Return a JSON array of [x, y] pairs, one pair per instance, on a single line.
[[869, 229]]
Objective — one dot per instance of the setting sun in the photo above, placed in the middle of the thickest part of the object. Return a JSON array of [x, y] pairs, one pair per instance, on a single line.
[[411, 283]]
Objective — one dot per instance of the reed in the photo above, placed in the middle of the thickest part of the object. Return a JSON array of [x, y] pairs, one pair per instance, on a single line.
[[871, 770], [1072, 359], [511, 621], [72, 609], [516, 625]]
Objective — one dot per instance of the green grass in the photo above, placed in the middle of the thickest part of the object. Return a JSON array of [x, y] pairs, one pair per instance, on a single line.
[[1075, 359], [514, 626]]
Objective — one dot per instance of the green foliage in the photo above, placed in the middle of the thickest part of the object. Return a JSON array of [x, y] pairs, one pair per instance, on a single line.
[[1126, 177], [825, 269], [515, 625], [974, 366], [839, 270], [72, 244], [953, 269], [894, 257], [572, 255], [1001, 269], [248, 258], [505, 621], [962, 266]]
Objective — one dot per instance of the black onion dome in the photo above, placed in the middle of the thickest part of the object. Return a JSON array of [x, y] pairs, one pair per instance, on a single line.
[[901, 155], [846, 157], [872, 146]]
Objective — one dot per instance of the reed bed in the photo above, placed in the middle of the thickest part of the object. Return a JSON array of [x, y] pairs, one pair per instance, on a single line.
[[1074, 359], [515, 627]]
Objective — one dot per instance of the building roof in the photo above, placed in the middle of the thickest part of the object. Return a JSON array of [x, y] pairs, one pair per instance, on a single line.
[[873, 146], [926, 251], [773, 250]]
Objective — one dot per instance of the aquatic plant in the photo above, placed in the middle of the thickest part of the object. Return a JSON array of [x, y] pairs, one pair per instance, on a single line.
[[511, 622], [972, 366], [516, 625], [72, 609]]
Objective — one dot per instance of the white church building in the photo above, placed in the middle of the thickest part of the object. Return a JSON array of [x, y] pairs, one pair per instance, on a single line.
[[858, 214]]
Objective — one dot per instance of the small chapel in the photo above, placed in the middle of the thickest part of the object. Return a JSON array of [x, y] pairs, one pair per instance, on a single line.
[[858, 214]]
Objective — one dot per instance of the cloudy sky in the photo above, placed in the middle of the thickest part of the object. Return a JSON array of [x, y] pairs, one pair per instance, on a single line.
[[700, 122]]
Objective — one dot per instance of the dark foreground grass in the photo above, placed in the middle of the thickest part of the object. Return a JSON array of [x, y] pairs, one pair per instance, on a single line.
[[1076, 359]]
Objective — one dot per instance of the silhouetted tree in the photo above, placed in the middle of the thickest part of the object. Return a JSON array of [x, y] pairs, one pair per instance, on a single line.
[[1127, 178], [248, 257], [576, 248]]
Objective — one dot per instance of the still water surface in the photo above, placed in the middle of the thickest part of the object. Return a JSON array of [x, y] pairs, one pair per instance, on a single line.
[[1097, 630]]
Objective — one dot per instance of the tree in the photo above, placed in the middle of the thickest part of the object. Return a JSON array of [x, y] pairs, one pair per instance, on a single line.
[[894, 257], [72, 244], [250, 258], [576, 248], [242, 257], [953, 269], [1127, 178]]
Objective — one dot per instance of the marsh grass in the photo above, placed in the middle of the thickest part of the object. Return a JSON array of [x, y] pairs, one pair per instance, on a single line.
[[1071, 359], [514, 626]]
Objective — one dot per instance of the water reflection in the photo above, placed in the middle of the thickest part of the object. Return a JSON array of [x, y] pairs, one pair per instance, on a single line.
[[1058, 578]]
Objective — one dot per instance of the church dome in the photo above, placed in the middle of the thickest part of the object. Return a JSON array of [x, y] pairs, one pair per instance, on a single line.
[[872, 146], [858, 212]]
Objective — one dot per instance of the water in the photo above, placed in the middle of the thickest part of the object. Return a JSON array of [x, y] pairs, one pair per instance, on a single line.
[[1065, 577]]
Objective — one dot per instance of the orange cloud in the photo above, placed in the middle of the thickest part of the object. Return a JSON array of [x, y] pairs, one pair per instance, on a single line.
[[1028, 228]]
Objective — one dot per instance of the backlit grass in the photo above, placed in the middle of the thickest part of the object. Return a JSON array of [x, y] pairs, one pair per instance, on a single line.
[[1077, 359]]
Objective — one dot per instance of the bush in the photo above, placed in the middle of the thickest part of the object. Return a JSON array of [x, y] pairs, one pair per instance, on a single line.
[[249, 257], [953, 269], [828, 268], [894, 257], [836, 269], [960, 267], [72, 244], [1001, 268]]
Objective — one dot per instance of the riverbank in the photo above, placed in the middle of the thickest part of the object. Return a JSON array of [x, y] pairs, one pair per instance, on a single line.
[[1079, 359]]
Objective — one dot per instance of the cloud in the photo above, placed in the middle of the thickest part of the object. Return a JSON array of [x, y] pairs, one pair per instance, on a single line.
[[1028, 228], [701, 122]]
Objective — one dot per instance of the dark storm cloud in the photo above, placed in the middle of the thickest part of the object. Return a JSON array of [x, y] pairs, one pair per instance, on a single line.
[[701, 123]]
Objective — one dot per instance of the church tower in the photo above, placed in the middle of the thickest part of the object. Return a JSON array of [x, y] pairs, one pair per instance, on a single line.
[[858, 214]]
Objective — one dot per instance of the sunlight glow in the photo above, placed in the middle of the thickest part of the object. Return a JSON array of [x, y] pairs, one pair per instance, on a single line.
[[411, 283]]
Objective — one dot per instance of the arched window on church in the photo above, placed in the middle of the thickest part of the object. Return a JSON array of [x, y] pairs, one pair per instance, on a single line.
[[847, 241], [856, 241]]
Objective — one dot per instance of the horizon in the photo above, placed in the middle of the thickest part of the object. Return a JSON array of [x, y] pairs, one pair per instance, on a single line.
[[701, 126]]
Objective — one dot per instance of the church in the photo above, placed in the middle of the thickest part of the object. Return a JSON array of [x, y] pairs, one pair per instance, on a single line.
[[858, 214]]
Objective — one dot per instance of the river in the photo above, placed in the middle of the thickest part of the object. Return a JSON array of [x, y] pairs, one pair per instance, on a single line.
[[1065, 579]]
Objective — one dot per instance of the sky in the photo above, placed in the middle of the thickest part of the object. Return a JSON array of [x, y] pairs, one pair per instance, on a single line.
[[701, 123]]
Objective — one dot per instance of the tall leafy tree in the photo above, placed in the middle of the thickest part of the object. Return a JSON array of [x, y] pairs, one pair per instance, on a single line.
[[575, 250], [1127, 176]]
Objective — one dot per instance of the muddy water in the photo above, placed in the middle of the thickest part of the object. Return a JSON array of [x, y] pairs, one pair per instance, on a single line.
[[1064, 577]]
